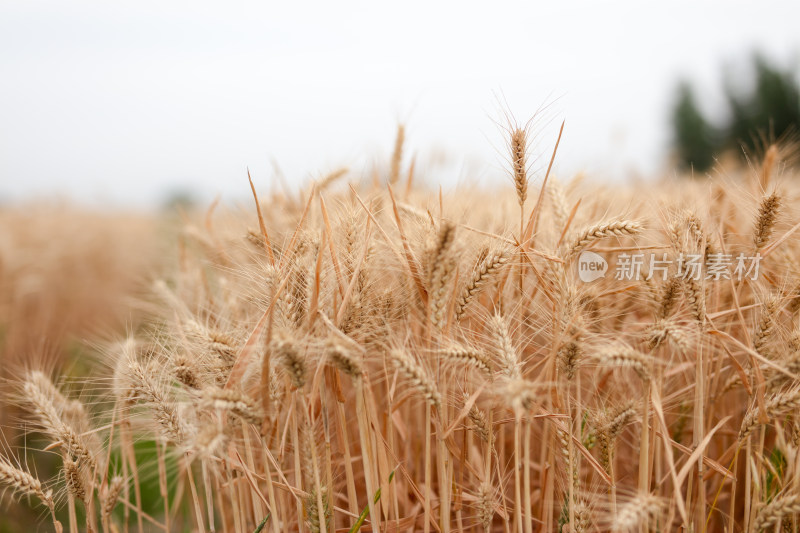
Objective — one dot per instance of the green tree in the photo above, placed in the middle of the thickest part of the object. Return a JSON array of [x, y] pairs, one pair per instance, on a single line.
[[694, 136], [769, 109]]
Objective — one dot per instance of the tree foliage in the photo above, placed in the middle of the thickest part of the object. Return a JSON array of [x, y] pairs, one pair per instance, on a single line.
[[769, 108]]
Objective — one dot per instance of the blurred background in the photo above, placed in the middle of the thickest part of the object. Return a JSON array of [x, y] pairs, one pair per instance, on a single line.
[[134, 103]]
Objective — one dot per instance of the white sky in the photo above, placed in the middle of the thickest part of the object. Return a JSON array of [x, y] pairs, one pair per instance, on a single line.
[[123, 102]]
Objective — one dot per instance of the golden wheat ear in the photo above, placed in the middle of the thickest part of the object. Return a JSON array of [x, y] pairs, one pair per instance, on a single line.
[[609, 427], [232, 401], [24, 483], [485, 505], [766, 325], [504, 348], [147, 387], [288, 354], [768, 211], [74, 479], [344, 359], [110, 496], [487, 270], [779, 404], [519, 163], [626, 357], [441, 267], [639, 510], [417, 376], [594, 233], [39, 393], [468, 356], [786, 506]]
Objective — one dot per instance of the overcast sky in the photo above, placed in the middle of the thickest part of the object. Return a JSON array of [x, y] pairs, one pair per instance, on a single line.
[[123, 102]]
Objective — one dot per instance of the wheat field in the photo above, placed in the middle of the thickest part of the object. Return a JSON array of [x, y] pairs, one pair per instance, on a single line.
[[377, 354]]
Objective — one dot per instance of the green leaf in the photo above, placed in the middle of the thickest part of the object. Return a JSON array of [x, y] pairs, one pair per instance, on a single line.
[[363, 516], [262, 524]]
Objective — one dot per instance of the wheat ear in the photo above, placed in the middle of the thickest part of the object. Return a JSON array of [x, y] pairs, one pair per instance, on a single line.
[[213, 341], [485, 505], [23, 483], [50, 417], [765, 221], [486, 271], [766, 325], [635, 513], [623, 356], [74, 479], [609, 428], [479, 423], [441, 269], [519, 156], [780, 404], [164, 409], [669, 297], [785, 506], [26, 484], [287, 353], [233, 401], [601, 231], [696, 297], [569, 356], [468, 356], [111, 496], [417, 375], [504, 347], [187, 372], [344, 359]]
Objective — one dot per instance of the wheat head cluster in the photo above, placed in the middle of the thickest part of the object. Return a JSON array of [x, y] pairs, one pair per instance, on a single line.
[[373, 354]]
